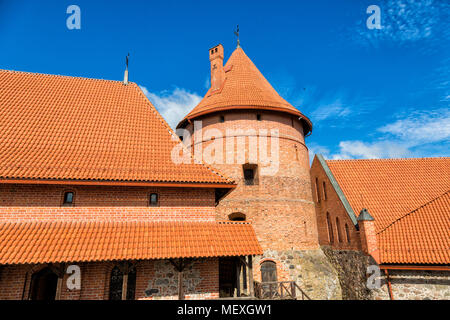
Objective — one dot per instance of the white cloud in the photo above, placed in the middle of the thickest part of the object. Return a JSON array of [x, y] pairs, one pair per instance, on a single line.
[[335, 109], [173, 105], [424, 127], [416, 135], [407, 20], [379, 149]]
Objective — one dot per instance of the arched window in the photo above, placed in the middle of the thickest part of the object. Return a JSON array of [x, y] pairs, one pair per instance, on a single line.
[[118, 279], [330, 229], [43, 285], [317, 190], [154, 200], [347, 233], [268, 271], [324, 191], [338, 229], [68, 198], [237, 216]]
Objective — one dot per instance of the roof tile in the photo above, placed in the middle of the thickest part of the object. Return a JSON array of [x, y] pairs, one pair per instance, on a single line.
[[409, 199], [68, 128], [83, 241]]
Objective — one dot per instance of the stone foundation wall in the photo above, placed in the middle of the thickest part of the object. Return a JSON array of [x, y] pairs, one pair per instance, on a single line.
[[309, 268], [415, 285], [406, 284], [351, 267]]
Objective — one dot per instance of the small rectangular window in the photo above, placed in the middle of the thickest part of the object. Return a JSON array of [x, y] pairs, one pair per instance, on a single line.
[[154, 201], [250, 174], [68, 198], [249, 177], [222, 119], [258, 117]]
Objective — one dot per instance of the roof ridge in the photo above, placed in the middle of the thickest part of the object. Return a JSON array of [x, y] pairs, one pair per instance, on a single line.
[[413, 211], [62, 76]]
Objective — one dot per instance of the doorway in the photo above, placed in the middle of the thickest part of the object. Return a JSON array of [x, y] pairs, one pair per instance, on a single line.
[[227, 276], [43, 285]]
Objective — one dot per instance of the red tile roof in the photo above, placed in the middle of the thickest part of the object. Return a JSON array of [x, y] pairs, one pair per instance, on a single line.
[[67, 128], [63, 241], [420, 237], [404, 197], [244, 88]]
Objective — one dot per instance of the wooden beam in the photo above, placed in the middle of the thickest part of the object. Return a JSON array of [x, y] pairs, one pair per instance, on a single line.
[[179, 266], [406, 267], [180, 285], [124, 286], [25, 286], [391, 295], [58, 288], [250, 277], [238, 278]]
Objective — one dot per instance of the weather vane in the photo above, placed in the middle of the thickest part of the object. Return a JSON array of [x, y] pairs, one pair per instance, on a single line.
[[237, 35]]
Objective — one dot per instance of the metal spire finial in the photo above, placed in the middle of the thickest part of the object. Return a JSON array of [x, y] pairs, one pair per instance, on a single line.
[[127, 58], [237, 35]]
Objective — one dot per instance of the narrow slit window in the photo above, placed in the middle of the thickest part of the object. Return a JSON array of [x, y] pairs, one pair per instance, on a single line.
[[258, 117], [347, 233], [324, 191], [338, 229], [222, 119], [317, 190], [330, 229]]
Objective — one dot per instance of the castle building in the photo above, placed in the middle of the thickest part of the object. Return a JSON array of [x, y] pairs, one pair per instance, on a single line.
[[245, 129], [386, 220], [92, 206], [101, 199]]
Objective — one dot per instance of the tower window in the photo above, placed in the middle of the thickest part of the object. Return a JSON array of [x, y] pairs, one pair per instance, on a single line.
[[181, 138], [154, 201], [222, 119], [68, 198], [250, 171], [258, 117]]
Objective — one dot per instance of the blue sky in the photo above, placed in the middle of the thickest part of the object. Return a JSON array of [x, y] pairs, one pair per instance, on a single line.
[[370, 93]]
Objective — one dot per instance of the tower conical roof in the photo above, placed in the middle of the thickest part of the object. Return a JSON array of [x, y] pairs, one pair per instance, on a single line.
[[244, 88]]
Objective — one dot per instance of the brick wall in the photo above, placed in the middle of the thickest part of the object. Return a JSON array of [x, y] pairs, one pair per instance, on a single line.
[[201, 280], [41, 202], [331, 206]]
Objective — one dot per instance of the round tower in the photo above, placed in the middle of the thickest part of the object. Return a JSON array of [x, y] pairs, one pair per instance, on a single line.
[[246, 130]]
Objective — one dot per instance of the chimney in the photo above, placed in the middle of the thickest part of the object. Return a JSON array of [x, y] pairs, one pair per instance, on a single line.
[[217, 72], [125, 76], [368, 234]]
